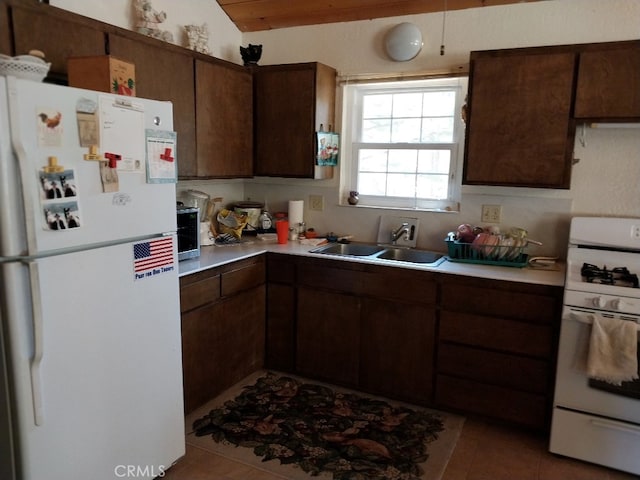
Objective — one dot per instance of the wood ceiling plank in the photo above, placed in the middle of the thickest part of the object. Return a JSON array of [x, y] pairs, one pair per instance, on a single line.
[[255, 15]]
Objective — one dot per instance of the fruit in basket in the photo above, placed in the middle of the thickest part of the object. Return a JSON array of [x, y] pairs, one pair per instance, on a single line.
[[465, 233]]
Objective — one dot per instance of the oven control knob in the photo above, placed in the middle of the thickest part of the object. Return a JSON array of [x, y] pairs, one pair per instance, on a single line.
[[617, 304], [598, 302]]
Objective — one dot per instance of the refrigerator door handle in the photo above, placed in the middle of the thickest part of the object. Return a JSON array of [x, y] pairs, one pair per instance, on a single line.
[[21, 155], [38, 350]]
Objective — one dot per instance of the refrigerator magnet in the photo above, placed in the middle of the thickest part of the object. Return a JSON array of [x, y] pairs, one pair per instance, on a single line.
[[122, 130], [109, 178], [59, 197], [61, 216], [161, 156], [57, 184], [153, 257], [49, 127], [87, 119]]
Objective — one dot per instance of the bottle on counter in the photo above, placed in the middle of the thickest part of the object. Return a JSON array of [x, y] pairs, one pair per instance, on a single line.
[[265, 221]]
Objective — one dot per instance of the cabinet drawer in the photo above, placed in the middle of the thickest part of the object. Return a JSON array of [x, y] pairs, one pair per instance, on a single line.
[[199, 289], [497, 334], [494, 368], [608, 442], [498, 402], [499, 300], [399, 284], [245, 275], [323, 276]]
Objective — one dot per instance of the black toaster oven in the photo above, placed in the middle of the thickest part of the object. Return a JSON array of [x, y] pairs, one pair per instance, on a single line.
[[188, 232]]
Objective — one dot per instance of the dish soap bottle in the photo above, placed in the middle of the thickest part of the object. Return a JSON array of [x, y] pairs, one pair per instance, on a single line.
[[265, 222]]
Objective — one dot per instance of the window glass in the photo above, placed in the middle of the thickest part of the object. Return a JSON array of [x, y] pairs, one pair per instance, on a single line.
[[406, 139]]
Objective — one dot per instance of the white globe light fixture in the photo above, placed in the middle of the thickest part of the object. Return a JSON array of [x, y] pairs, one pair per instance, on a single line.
[[403, 42]]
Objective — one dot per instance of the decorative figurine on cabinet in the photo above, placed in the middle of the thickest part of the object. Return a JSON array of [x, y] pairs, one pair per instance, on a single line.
[[149, 19], [198, 36], [251, 54]]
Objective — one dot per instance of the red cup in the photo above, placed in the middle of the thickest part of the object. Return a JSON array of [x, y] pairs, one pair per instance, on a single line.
[[282, 230]]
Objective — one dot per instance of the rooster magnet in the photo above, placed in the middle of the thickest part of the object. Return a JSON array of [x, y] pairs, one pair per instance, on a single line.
[[49, 127]]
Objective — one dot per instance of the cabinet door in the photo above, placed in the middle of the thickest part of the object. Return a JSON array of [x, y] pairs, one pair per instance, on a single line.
[[224, 119], [163, 74], [291, 104], [609, 84], [328, 336], [200, 338], [281, 341], [281, 312], [241, 337], [519, 131], [59, 35], [398, 347]]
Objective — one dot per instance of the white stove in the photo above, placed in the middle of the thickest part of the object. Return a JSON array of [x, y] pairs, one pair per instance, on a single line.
[[593, 420]]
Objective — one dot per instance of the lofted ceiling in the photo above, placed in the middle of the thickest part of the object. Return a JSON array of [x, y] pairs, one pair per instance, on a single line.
[[255, 15]]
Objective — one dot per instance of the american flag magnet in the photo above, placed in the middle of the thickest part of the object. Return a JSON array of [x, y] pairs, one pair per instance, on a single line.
[[153, 257]]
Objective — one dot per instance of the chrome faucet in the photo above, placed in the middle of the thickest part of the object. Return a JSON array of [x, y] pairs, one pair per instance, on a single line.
[[395, 234]]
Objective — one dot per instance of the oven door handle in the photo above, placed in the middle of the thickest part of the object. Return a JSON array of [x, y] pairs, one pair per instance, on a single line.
[[615, 426], [586, 318]]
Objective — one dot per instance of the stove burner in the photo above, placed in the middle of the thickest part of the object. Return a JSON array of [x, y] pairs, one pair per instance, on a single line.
[[618, 276]]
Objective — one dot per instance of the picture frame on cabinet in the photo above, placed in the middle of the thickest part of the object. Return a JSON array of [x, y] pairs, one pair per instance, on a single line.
[[328, 149]]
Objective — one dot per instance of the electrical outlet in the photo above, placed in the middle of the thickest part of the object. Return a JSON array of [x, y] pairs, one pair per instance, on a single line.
[[316, 203], [491, 213], [635, 232]]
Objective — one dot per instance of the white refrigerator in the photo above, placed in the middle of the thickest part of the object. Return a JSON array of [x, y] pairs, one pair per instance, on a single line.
[[90, 346]]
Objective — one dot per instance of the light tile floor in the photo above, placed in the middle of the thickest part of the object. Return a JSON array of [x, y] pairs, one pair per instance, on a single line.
[[483, 452]]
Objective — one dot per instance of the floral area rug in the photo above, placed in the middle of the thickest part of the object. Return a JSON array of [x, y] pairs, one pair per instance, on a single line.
[[299, 429]]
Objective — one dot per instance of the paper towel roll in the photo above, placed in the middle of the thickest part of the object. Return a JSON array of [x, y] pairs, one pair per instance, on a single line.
[[296, 212]]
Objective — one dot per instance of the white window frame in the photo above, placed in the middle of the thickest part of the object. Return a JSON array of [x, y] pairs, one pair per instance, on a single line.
[[352, 115]]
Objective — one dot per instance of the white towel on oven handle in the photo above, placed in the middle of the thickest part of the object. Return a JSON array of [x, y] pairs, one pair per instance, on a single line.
[[613, 350]]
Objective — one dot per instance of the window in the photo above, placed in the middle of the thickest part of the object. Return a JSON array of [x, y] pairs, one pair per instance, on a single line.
[[406, 139]]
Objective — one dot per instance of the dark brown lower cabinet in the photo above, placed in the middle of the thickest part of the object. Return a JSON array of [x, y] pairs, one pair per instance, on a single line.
[[281, 313], [397, 349], [281, 333], [223, 328], [363, 326], [328, 336], [497, 348], [239, 350]]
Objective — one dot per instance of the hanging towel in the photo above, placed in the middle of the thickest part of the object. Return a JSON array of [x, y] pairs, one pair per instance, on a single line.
[[613, 350]]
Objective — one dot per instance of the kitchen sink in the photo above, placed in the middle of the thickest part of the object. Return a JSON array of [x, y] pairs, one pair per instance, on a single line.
[[412, 256], [380, 252], [349, 249]]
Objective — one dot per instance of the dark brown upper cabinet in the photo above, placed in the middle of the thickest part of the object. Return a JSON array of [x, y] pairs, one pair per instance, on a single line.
[[519, 129], [57, 33], [224, 120], [292, 102], [609, 82]]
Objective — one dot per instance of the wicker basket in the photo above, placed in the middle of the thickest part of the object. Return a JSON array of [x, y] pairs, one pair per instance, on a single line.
[[24, 66]]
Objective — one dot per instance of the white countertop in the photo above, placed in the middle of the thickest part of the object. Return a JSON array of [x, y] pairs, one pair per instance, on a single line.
[[215, 256]]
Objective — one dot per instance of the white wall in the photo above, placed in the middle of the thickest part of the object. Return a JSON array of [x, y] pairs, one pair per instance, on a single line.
[[605, 181]]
